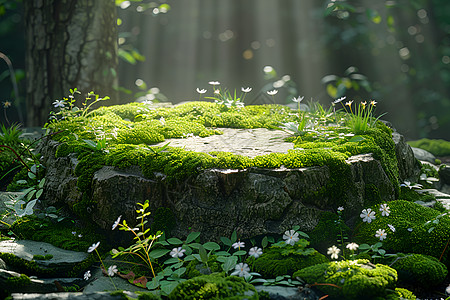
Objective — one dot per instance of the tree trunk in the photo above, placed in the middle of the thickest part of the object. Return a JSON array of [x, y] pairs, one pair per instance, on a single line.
[[70, 44]]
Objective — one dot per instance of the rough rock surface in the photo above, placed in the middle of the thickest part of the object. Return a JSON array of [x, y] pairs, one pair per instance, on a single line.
[[424, 155], [61, 261], [216, 202]]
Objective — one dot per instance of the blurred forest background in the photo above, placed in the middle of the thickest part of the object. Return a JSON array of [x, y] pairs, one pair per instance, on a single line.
[[395, 52]]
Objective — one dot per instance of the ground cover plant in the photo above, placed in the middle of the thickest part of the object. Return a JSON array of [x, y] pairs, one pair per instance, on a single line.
[[393, 245]]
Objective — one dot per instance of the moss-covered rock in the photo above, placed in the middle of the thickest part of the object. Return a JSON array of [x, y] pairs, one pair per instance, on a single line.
[[420, 270], [418, 229], [214, 287], [436, 147], [358, 279], [286, 259]]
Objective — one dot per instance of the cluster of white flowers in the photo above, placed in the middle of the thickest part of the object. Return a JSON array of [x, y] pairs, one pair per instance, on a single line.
[[368, 215]]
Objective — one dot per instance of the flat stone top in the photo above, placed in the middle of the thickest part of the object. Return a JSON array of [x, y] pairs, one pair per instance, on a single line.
[[26, 249], [247, 142]]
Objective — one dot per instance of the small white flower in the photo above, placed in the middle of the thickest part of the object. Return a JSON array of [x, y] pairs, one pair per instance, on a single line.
[[177, 252], [80, 235], [93, 247], [201, 91], [391, 227], [381, 233], [87, 275], [352, 246], [116, 223], [214, 83], [112, 270], [241, 270], [339, 100], [410, 229], [255, 252], [59, 103], [272, 92], [340, 208], [334, 252], [162, 121], [217, 92], [298, 99], [411, 186], [238, 245], [385, 210], [246, 90], [290, 237], [74, 232], [368, 215]]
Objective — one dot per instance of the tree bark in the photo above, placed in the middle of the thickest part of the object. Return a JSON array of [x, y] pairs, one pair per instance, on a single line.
[[70, 44]]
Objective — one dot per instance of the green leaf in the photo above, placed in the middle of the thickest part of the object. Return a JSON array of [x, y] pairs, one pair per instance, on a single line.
[[357, 138], [303, 234], [430, 230], [195, 245], [233, 237], [175, 241], [39, 193], [226, 241], [192, 237], [30, 195], [211, 246], [222, 253], [240, 252], [203, 254], [229, 264], [171, 260], [31, 175], [41, 183], [180, 271], [158, 253], [21, 181], [264, 242]]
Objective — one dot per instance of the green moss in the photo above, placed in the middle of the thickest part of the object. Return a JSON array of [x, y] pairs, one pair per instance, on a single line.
[[18, 282], [416, 230], [401, 294], [42, 257], [214, 287], [130, 129], [436, 147], [25, 266], [277, 261], [420, 270], [350, 279], [57, 234]]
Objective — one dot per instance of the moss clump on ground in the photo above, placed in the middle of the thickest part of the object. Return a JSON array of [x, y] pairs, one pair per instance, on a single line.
[[214, 287], [420, 270], [283, 259], [418, 229], [358, 279], [436, 147]]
